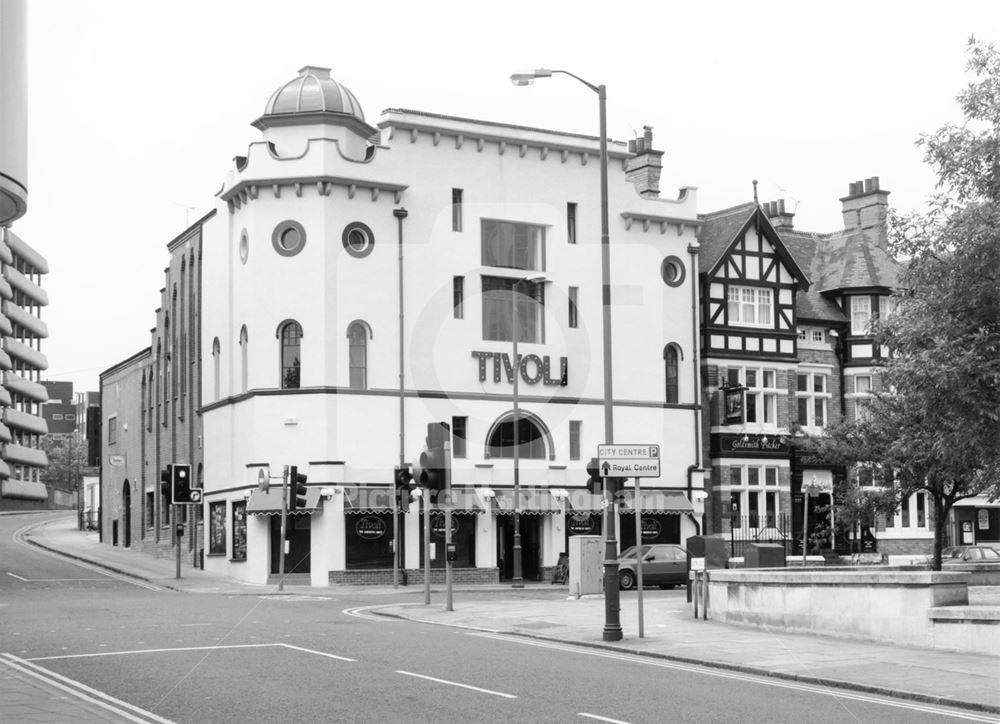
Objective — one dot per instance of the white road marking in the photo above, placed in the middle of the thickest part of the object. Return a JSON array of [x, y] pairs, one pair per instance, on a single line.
[[54, 580], [317, 653], [82, 691], [190, 648], [18, 537], [602, 718], [455, 683], [755, 679]]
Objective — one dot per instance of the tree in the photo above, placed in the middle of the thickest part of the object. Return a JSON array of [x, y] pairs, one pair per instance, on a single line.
[[67, 457], [936, 422]]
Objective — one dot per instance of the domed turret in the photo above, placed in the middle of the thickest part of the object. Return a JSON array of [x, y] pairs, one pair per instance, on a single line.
[[313, 97]]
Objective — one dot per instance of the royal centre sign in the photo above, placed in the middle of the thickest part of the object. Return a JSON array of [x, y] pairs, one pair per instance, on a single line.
[[629, 461]]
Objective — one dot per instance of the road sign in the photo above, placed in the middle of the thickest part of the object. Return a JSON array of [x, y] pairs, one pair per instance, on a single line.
[[629, 461]]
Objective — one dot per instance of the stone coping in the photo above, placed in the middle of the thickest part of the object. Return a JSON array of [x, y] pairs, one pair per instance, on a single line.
[[968, 614], [838, 577]]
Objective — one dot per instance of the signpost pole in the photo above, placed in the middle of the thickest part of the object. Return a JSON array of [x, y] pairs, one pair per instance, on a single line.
[[447, 527], [177, 535], [427, 546], [637, 506], [282, 544]]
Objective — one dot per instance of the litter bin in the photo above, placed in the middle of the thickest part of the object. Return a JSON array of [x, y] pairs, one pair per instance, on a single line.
[[764, 555]]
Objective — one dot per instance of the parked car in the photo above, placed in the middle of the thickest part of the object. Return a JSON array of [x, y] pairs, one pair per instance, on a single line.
[[663, 565], [954, 555]]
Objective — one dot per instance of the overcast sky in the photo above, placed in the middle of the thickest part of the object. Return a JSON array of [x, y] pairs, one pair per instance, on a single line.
[[137, 108]]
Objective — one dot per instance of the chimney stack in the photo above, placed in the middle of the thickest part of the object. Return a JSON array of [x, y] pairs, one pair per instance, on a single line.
[[644, 168], [865, 208], [775, 212]]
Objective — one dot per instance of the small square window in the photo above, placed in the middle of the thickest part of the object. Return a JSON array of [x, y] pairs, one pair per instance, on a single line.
[[818, 335], [736, 476]]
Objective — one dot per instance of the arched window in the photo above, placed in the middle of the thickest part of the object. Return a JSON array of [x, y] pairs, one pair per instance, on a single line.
[[290, 336], [671, 364], [531, 438], [216, 354], [358, 334], [244, 343]]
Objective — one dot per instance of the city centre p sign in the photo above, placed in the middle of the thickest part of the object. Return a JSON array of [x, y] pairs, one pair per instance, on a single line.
[[629, 461]]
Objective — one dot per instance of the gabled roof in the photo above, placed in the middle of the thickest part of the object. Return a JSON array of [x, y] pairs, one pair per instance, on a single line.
[[720, 230]]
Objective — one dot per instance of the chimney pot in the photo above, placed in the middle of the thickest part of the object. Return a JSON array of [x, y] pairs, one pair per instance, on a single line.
[[874, 183], [781, 206], [632, 147], [647, 134], [868, 185]]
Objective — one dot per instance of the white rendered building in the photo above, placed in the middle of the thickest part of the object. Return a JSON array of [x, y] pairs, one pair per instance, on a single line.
[[358, 284]]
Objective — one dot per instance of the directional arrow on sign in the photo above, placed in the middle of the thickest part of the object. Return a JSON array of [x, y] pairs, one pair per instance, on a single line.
[[606, 467]]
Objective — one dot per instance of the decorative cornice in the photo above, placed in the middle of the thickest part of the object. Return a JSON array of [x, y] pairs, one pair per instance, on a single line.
[[661, 222], [249, 189]]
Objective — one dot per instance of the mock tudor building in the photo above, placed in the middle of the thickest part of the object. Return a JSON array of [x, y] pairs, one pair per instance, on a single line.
[[787, 349]]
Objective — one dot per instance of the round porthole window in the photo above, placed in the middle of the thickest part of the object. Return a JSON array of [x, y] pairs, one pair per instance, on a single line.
[[288, 238], [244, 247], [358, 239], [672, 271]]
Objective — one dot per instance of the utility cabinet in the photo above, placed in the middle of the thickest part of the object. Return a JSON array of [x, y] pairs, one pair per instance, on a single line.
[[586, 564]]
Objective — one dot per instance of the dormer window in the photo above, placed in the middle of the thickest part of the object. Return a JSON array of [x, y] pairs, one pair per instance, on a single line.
[[750, 307]]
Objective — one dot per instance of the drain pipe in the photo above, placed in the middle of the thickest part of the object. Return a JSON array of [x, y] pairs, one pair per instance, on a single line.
[[400, 214], [696, 365]]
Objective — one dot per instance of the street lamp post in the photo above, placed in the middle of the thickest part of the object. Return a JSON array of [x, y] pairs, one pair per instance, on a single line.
[[612, 622], [518, 581]]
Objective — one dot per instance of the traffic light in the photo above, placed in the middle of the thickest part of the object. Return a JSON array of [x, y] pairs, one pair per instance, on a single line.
[[404, 486], [594, 481], [180, 484], [296, 489], [435, 465]]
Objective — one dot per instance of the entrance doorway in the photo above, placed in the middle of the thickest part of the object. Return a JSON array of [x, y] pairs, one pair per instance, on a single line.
[[298, 535], [126, 515], [531, 552]]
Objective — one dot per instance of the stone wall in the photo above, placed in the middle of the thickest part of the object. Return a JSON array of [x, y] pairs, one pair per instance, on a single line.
[[870, 604]]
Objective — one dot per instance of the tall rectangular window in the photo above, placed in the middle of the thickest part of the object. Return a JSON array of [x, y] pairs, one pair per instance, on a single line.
[[456, 209], [239, 530], [812, 398], [574, 439], [498, 322], [574, 293], [112, 430], [458, 437], [904, 511], [458, 297], [571, 223], [513, 245], [861, 314]]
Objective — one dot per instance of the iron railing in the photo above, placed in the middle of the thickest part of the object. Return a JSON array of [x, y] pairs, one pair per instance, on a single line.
[[747, 529]]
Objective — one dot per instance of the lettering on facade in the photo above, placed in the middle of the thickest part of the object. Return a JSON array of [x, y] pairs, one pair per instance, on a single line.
[[650, 529], [533, 369], [737, 445], [370, 528], [580, 524]]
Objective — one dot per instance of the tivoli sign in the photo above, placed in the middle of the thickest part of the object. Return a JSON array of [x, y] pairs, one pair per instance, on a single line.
[[533, 369]]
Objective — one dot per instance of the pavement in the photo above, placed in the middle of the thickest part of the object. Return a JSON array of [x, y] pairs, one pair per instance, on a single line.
[[543, 611]]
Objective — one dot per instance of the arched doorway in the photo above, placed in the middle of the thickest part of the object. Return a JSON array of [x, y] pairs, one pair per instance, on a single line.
[[534, 442], [126, 515]]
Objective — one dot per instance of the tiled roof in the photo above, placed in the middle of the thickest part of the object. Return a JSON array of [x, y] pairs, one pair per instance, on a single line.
[[850, 259], [718, 231]]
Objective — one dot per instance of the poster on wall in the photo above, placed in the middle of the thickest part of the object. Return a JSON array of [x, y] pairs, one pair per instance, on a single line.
[[240, 531], [217, 528]]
